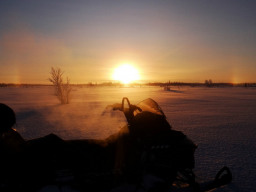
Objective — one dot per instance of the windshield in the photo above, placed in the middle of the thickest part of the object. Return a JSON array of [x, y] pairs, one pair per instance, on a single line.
[[149, 105]]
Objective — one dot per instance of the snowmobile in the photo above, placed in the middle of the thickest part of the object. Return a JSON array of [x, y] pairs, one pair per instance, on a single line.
[[145, 155], [159, 151]]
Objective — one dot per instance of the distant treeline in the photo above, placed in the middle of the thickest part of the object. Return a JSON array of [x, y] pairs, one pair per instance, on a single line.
[[207, 84], [21, 85], [192, 84], [161, 84]]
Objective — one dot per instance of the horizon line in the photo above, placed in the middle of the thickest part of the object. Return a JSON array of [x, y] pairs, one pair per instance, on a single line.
[[134, 83]]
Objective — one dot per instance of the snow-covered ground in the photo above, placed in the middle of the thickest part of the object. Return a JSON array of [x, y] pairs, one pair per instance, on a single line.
[[222, 121]]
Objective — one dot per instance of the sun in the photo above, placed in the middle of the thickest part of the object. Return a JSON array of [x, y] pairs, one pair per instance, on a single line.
[[126, 73]]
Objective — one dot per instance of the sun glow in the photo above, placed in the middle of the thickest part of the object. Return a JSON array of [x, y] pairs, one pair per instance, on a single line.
[[126, 74]]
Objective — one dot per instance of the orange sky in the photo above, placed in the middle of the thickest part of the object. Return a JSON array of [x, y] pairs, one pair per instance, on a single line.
[[165, 41]]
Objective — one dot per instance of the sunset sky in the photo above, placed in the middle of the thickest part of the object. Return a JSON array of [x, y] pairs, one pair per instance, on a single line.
[[176, 40]]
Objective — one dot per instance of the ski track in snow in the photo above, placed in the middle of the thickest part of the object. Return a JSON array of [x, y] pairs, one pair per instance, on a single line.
[[221, 121]]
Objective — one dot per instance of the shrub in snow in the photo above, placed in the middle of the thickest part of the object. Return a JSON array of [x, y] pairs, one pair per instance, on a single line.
[[62, 89]]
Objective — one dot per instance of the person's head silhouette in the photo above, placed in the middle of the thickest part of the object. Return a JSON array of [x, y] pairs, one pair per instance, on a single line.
[[7, 118]]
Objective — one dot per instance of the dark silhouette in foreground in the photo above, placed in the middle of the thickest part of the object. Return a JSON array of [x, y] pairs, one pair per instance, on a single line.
[[146, 150]]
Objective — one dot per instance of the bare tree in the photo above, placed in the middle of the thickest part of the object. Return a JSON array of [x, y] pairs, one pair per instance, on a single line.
[[209, 83], [62, 90]]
